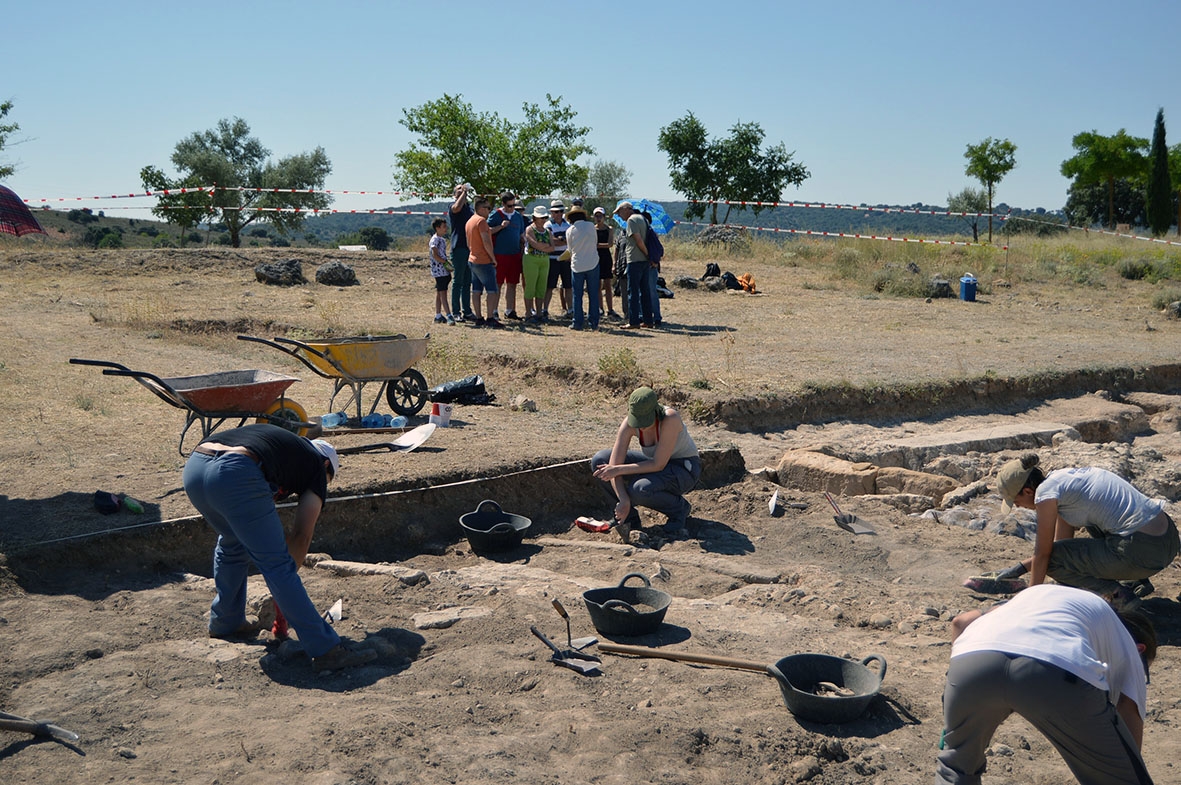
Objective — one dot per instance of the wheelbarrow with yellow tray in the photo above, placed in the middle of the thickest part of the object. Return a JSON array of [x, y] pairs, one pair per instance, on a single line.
[[354, 362]]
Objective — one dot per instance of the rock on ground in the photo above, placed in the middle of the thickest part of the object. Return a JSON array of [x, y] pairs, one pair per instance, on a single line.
[[288, 272], [336, 274]]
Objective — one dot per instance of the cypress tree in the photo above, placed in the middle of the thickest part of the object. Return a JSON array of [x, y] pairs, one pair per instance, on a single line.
[[1159, 198]]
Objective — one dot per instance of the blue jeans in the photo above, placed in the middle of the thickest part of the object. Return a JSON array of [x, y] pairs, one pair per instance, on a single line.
[[663, 491], [483, 279], [653, 274], [639, 294], [234, 497], [589, 280], [461, 282]]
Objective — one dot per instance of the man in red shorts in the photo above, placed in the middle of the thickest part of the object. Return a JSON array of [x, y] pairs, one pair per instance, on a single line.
[[508, 243]]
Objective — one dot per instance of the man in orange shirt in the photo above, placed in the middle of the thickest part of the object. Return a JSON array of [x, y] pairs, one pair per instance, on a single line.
[[483, 263]]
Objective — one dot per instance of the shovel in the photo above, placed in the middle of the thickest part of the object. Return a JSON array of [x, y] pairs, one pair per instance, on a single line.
[[577, 644], [407, 442], [850, 523], [586, 664], [46, 729]]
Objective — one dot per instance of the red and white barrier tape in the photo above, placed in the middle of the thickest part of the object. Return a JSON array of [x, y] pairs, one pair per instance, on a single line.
[[1089, 230], [812, 233], [1002, 216], [172, 192]]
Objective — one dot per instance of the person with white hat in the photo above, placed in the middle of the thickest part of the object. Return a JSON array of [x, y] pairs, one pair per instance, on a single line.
[[1132, 538], [234, 479], [559, 269]]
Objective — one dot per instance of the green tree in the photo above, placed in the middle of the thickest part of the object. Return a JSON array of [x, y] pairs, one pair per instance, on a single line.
[[734, 168], [228, 156], [374, 237], [1159, 195], [6, 130], [1089, 204], [182, 210], [1104, 159], [1175, 176], [456, 144], [989, 162], [606, 182], [969, 200]]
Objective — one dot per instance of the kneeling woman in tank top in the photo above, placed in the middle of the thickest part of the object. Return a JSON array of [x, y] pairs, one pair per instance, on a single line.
[[658, 476]]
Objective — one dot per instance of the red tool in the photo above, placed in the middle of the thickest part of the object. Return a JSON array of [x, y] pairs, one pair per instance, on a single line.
[[279, 628]]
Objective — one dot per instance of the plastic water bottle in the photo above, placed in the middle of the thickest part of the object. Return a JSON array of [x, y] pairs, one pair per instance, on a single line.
[[333, 420], [398, 422], [374, 420]]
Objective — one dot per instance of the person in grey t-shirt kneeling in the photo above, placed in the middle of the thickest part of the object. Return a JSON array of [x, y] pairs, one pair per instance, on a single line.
[[1131, 536]]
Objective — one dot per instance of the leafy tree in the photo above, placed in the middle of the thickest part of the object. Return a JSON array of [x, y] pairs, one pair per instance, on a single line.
[[1122, 200], [228, 156], [734, 168], [969, 200], [1159, 196], [1175, 176], [183, 211], [457, 144], [989, 162], [375, 237], [1105, 159], [6, 130], [606, 182]]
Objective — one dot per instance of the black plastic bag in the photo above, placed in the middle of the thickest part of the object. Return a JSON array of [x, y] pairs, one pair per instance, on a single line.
[[469, 390]]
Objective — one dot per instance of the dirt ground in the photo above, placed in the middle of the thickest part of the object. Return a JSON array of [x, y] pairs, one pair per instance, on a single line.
[[122, 657]]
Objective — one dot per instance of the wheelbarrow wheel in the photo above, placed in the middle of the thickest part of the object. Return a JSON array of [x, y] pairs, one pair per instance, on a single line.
[[407, 394], [286, 413]]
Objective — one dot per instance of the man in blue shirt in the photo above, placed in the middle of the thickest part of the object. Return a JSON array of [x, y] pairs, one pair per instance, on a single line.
[[508, 243]]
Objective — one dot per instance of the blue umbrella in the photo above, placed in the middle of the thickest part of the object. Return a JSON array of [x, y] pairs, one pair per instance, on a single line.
[[662, 222]]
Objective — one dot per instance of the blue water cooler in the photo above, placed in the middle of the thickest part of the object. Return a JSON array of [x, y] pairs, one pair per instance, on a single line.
[[968, 288]]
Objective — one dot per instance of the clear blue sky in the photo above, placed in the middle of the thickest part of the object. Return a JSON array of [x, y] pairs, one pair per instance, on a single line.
[[877, 99]]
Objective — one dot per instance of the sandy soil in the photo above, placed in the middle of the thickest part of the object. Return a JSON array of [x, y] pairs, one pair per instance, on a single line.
[[122, 658]]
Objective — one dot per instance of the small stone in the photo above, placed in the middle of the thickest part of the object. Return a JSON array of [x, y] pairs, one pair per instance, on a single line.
[[93, 654], [880, 621], [932, 612], [805, 769], [645, 704], [528, 684], [1000, 750], [457, 683], [522, 404], [835, 612], [905, 627], [123, 752], [336, 274], [685, 282]]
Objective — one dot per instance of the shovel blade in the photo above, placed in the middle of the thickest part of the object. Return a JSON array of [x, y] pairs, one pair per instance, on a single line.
[[584, 667], [853, 524], [578, 644]]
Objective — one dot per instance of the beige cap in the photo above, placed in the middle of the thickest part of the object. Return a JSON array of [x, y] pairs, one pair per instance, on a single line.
[[1011, 478]]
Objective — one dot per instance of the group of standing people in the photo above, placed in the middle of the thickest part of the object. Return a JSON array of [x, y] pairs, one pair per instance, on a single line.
[[560, 249]]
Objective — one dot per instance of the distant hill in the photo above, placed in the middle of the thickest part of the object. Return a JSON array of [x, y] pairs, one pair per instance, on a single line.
[[862, 221]]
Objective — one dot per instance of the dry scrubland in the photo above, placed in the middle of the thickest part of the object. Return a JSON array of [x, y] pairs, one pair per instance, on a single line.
[[123, 659]]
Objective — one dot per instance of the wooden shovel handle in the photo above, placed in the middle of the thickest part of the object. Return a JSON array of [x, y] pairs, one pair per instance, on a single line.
[[683, 656]]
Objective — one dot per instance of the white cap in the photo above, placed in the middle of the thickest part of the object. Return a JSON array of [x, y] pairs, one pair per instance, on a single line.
[[329, 452]]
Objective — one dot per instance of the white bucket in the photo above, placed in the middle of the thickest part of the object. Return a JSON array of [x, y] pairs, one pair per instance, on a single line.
[[441, 414]]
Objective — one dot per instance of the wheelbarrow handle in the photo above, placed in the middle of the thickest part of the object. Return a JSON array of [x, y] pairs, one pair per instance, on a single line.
[[683, 656], [158, 386], [101, 363], [275, 345]]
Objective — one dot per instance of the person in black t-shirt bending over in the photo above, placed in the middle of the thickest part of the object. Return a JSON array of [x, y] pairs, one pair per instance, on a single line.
[[234, 479]]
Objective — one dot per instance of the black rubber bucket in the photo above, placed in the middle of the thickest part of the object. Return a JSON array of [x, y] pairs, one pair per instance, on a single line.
[[799, 675], [490, 529], [614, 610]]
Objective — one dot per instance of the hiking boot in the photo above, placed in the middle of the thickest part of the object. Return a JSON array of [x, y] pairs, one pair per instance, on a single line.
[[614, 315], [676, 521], [244, 632], [479, 321], [439, 318], [493, 322], [512, 315], [1142, 587], [342, 656]]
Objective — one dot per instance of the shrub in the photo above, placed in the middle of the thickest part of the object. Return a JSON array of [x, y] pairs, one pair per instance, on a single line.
[[280, 242], [193, 237], [81, 216], [96, 234], [1162, 298], [375, 238], [111, 240], [848, 262], [1134, 269], [164, 241], [620, 367], [222, 239], [259, 232]]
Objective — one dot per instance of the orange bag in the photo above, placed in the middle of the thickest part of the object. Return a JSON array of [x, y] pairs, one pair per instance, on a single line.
[[747, 282]]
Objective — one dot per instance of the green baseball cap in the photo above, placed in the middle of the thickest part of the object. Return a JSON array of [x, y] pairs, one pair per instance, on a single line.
[[641, 408]]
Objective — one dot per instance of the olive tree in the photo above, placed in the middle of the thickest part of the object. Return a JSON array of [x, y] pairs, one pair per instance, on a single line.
[[989, 162]]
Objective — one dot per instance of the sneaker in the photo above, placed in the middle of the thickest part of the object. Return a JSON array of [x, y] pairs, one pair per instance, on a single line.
[[460, 317], [574, 326], [496, 315], [614, 315], [493, 322], [1142, 587], [479, 321], [469, 316], [439, 319], [512, 315], [342, 655], [450, 319]]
